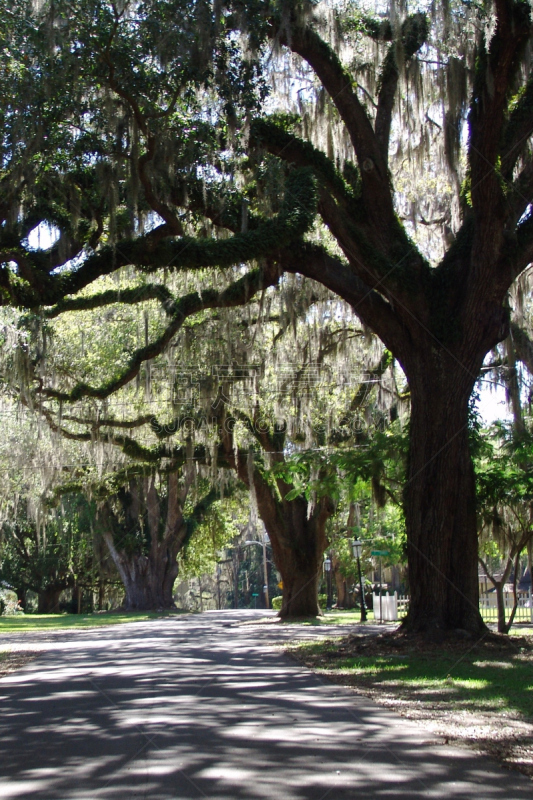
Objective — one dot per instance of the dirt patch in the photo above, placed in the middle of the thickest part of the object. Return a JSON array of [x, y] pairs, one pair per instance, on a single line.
[[506, 735], [13, 660]]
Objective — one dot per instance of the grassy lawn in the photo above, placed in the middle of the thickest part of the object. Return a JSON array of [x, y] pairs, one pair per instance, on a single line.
[[469, 681], [340, 617], [476, 694], [40, 622], [333, 617]]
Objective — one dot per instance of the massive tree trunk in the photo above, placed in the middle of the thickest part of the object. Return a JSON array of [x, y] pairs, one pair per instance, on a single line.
[[297, 533], [148, 565], [146, 535], [440, 500], [148, 579], [298, 545], [298, 542]]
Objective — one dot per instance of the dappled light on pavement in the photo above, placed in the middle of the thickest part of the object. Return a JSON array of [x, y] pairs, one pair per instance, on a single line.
[[203, 707]]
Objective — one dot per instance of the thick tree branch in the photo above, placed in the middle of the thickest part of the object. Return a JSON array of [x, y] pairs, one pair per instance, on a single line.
[[297, 151], [518, 131], [314, 262], [294, 219], [375, 180], [494, 74], [137, 294], [413, 35]]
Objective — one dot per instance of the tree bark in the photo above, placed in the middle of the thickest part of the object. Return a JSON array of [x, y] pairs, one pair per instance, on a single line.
[[298, 544], [148, 579], [440, 502], [297, 534], [344, 598]]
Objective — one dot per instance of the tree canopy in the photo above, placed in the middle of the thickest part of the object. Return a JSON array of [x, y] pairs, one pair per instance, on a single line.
[[385, 156]]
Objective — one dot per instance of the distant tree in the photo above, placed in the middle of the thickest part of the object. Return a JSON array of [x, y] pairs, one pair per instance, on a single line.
[[47, 557], [145, 531], [505, 498]]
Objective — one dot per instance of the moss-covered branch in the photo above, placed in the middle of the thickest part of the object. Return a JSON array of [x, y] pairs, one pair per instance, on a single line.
[[413, 35], [294, 219], [338, 83], [238, 293], [137, 294], [293, 150], [518, 130]]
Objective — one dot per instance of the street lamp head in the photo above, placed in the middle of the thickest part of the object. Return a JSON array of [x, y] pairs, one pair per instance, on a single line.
[[357, 546], [327, 564]]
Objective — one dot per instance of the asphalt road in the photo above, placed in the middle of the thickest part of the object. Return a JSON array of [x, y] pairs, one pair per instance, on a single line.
[[203, 706]]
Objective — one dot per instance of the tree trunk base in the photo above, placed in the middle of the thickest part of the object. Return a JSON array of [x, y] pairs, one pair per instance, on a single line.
[[139, 605], [435, 631]]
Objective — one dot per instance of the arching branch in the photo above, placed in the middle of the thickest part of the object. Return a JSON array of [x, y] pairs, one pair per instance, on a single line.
[[413, 35], [338, 83], [137, 294], [315, 262], [294, 219], [238, 293]]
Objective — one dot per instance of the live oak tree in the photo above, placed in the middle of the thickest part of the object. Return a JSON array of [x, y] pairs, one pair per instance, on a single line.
[[130, 138], [145, 531], [438, 320]]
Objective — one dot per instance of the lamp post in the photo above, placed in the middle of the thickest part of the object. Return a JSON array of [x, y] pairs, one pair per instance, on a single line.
[[327, 567], [265, 567], [357, 546]]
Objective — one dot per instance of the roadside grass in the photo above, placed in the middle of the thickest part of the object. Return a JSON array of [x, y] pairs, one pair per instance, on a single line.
[[39, 622], [10, 660], [341, 617], [333, 617], [472, 680], [476, 694]]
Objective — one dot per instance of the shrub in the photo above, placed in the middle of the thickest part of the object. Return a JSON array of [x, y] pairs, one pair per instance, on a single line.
[[277, 601]]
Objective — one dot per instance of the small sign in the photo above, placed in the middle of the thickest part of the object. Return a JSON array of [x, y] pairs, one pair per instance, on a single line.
[[254, 594], [380, 553]]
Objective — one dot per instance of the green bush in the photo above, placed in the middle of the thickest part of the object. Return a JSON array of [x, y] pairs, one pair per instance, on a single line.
[[277, 601]]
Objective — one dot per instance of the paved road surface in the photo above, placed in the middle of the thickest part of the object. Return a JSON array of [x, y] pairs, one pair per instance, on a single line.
[[202, 706]]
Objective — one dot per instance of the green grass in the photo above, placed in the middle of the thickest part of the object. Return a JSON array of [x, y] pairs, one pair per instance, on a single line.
[[40, 622], [473, 681], [334, 617]]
